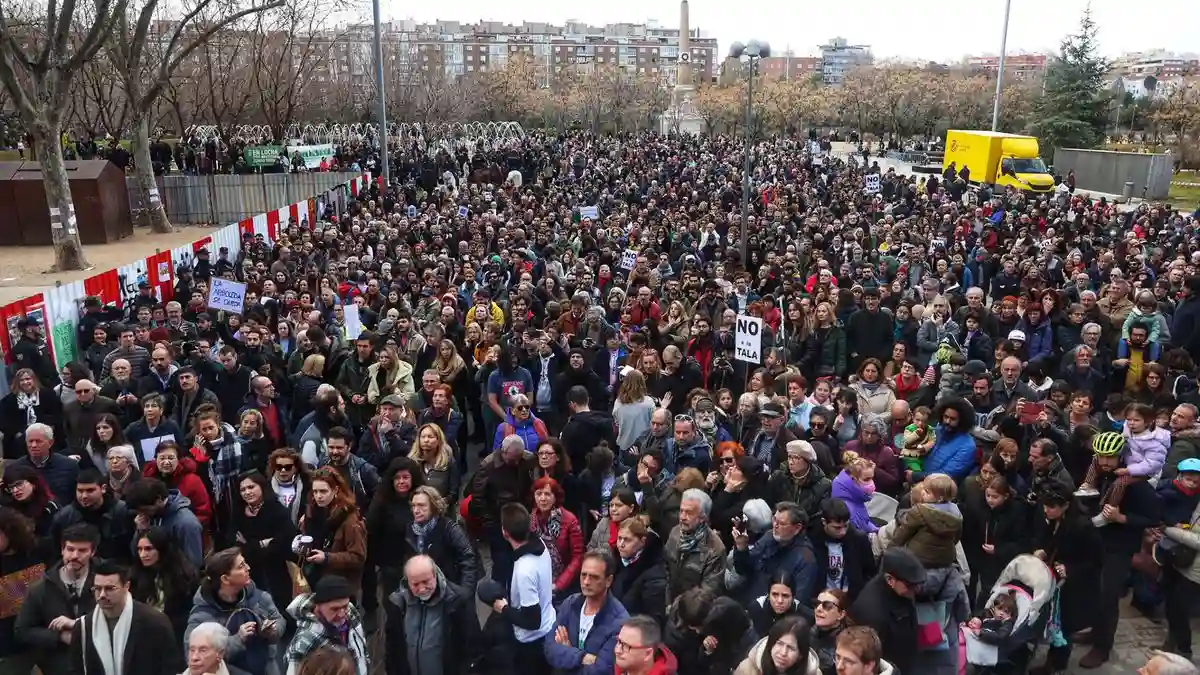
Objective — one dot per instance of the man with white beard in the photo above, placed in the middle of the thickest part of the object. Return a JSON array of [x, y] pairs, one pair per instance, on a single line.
[[431, 623]]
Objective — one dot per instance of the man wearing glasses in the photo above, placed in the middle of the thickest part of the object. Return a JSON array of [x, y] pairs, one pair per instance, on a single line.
[[639, 649], [80, 415]]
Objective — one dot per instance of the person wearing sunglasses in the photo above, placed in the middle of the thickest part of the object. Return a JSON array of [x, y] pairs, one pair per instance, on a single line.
[[521, 422]]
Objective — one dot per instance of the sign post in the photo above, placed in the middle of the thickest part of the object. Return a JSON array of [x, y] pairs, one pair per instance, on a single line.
[[747, 339]]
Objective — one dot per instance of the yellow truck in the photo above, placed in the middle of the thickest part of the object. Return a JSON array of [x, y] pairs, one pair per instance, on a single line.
[[999, 159]]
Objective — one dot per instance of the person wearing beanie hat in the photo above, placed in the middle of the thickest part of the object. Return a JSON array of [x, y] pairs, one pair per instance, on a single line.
[[327, 617]]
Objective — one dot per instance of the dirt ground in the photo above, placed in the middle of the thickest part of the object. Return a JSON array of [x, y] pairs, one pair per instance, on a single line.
[[23, 268]]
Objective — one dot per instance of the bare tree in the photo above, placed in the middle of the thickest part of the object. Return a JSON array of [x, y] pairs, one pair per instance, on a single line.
[[147, 52], [292, 47], [42, 49]]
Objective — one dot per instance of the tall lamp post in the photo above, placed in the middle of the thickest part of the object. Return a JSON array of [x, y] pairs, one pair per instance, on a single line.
[[753, 51], [1000, 73], [381, 100]]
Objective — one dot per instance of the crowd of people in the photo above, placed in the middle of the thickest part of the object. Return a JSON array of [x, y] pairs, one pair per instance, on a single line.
[[503, 426]]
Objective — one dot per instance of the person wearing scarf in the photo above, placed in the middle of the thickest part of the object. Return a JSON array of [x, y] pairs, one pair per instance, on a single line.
[[218, 456], [559, 530], [122, 636], [27, 404]]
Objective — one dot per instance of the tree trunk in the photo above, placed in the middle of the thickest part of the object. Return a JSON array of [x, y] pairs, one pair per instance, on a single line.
[[64, 228], [153, 212]]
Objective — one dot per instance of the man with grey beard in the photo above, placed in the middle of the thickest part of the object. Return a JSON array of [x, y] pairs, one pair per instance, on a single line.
[[431, 623]]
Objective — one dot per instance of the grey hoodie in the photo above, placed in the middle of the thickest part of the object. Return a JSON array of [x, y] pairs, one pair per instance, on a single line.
[[179, 521]]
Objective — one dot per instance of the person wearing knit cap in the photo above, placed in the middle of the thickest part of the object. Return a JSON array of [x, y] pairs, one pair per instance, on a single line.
[[327, 617]]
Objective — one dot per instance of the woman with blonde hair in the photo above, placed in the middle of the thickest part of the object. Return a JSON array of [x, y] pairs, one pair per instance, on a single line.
[[389, 375], [855, 486], [632, 409], [435, 457], [304, 386], [674, 325], [251, 433]]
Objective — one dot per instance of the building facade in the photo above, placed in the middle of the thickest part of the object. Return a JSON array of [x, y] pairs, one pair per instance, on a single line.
[[838, 57], [1017, 66]]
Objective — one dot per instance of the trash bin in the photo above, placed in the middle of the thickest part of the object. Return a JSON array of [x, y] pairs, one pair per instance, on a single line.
[[1127, 193]]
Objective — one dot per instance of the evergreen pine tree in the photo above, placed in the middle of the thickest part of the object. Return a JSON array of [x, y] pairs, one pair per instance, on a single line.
[[1073, 110]]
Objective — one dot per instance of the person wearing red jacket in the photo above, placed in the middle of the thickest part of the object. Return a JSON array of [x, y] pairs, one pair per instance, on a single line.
[[180, 474]]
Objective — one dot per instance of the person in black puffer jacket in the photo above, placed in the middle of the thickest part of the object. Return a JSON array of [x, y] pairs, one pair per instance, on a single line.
[[641, 580]]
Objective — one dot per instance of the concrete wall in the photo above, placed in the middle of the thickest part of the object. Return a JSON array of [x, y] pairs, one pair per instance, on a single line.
[[1106, 171]]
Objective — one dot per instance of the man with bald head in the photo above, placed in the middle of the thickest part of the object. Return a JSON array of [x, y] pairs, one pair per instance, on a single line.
[[1008, 385], [122, 388], [265, 400], [431, 623], [80, 415]]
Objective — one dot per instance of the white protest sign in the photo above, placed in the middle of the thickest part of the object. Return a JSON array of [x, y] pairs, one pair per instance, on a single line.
[[354, 326], [412, 211], [814, 147], [871, 183], [628, 259], [228, 296], [747, 340], [589, 212]]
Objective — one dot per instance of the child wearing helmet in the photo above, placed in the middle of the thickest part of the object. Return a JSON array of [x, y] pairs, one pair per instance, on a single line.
[[1141, 446]]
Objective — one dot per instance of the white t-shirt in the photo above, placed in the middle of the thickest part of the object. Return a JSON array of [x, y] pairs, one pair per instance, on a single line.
[[533, 583], [585, 625]]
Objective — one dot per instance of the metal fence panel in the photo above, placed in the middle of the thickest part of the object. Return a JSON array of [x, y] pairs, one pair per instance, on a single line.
[[231, 198], [1108, 171]]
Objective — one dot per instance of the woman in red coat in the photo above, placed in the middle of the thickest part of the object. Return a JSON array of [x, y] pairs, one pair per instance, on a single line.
[[180, 474], [559, 530]]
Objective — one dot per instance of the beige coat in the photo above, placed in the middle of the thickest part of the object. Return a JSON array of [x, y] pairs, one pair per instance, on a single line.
[[1191, 539], [752, 664]]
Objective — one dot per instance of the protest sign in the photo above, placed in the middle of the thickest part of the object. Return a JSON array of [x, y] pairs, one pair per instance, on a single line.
[[628, 259], [871, 183], [747, 339], [462, 212], [354, 326], [589, 212], [412, 211], [226, 295]]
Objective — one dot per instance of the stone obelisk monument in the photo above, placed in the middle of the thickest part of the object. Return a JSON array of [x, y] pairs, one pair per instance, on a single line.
[[683, 117]]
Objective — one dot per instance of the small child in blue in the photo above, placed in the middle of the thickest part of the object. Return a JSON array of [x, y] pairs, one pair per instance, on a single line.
[[1179, 499]]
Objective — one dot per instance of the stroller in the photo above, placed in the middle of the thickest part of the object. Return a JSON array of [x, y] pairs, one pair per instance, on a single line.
[[1033, 585]]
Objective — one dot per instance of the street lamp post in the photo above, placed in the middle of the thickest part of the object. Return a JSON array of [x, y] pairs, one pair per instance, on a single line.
[[381, 100], [753, 51], [1000, 73]]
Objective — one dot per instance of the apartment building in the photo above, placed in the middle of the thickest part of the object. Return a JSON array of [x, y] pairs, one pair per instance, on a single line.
[[1016, 66], [839, 57]]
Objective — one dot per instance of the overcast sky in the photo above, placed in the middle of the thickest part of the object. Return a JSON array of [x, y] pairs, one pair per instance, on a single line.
[[940, 31]]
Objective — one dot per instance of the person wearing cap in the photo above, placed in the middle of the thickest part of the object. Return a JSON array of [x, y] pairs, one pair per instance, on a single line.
[[770, 443], [94, 314], [327, 618], [801, 480], [886, 605], [29, 351]]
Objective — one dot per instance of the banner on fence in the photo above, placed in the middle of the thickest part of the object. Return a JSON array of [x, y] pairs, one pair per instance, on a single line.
[[312, 154], [258, 156]]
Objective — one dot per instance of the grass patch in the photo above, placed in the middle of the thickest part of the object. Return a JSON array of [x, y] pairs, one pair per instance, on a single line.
[[1185, 198]]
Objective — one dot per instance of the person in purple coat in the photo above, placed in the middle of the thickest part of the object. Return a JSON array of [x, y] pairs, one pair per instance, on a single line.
[[855, 486]]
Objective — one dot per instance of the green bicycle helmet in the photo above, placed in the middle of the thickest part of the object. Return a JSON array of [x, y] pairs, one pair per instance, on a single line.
[[1108, 444]]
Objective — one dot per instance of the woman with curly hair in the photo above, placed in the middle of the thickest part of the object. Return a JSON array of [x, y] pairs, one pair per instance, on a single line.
[[332, 537]]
